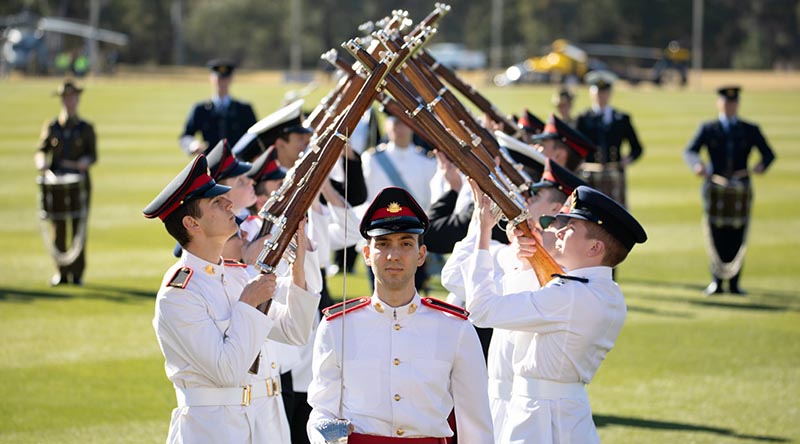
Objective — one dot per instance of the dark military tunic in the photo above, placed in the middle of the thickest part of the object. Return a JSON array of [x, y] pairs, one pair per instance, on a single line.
[[604, 170], [215, 123], [69, 139], [727, 190]]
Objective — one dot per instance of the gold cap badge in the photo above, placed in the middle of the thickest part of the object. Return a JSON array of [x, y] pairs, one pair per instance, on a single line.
[[394, 207]]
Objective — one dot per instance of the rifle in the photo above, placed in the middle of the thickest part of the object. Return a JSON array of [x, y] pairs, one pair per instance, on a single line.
[[456, 118], [508, 126], [507, 201]]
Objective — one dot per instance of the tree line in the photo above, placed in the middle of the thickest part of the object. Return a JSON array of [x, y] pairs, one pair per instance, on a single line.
[[741, 34]]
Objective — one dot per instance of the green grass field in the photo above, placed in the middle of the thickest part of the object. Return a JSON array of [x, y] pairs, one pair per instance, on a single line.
[[80, 365]]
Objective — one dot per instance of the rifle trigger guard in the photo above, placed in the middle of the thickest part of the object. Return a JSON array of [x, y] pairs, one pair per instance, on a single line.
[[342, 137]]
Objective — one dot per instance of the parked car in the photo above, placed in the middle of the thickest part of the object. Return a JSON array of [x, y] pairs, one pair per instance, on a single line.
[[457, 56]]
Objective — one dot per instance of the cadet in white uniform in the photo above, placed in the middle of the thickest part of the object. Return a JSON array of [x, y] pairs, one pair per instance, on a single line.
[[399, 163], [514, 276], [207, 324], [564, 330], [406, 361]]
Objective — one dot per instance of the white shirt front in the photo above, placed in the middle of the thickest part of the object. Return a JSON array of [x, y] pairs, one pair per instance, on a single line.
[[404, 369], [209, 340], [562, 332], [412, 164]]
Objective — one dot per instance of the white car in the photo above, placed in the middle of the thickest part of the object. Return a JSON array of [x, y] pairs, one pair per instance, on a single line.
[[457, 56]]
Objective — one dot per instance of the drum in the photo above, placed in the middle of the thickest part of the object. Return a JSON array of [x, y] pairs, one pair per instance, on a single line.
[[607, 178], [727, 202], [62, 196]]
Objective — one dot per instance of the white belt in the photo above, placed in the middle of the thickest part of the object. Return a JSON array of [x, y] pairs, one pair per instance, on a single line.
[[197, 397], [544, 389], [499, 389]]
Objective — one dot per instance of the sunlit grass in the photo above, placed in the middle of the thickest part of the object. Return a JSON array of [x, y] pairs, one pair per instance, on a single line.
[[82, 365]]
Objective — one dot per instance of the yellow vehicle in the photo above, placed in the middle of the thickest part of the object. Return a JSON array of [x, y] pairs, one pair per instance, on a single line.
[[569, 63]]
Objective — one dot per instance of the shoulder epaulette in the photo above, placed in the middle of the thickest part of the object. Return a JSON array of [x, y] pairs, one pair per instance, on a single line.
[[344, 307], [180, 278], [454, 310], [233, 263]]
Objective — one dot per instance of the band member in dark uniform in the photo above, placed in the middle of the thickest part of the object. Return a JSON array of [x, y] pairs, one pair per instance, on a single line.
[[221, 117], [67, 148], [727, 191], [607, 128]]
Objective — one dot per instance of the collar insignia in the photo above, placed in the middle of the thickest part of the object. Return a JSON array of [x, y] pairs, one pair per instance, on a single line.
[[209, 269]]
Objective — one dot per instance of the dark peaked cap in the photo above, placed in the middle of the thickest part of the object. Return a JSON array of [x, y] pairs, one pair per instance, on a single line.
[[591, 205], [530, 123], [223, 164], [193, 182], [222, 67], [574, 139], [266, 167], [283, 121], [556, 176], [393, 211], [729, 92]]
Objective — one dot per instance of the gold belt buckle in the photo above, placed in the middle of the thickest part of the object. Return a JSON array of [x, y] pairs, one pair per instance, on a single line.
[[273, 389], [247, 395]]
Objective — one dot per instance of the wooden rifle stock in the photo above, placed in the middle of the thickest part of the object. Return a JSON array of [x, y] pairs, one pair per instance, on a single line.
[[315, 118], [459, 152], [508, 126], [456, 117], [387, 104]]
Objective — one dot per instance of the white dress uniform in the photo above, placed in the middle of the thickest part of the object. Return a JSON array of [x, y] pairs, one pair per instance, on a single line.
[[405, 369], [562, 333], [413, 165], [513, 278], [209, 340]]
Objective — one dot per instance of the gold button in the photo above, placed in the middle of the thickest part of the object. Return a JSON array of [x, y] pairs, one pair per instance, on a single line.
[[396, 397], [274, 365], [400, 432], [397, 326], [396, 361]]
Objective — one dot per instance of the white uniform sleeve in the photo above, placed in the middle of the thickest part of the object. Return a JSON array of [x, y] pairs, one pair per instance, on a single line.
[[544, 310], [293, 320], [324, 390], [452, 277], [183, 317], [337, 235], [469, 383]]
